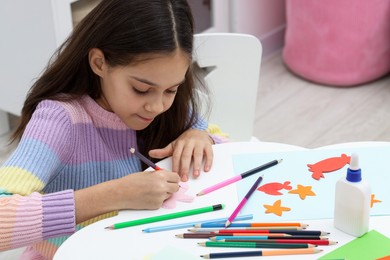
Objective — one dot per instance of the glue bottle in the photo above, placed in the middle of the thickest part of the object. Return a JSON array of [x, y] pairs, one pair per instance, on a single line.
[[352, 201]]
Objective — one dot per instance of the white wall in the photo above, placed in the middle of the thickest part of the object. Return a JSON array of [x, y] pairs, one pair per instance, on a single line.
[[264, 19], [4, 124]]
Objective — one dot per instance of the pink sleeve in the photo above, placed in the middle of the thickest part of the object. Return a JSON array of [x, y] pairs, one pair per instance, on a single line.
[[25, 220]]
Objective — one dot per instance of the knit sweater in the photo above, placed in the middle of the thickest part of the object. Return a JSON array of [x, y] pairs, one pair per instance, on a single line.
[[66, 146]]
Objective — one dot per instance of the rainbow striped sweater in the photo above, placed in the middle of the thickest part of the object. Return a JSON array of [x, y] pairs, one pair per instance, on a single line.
[[66, 146]]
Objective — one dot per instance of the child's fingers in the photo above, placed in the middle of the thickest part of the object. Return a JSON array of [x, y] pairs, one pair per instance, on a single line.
[[209, 157], [198, 159], [161, 153]]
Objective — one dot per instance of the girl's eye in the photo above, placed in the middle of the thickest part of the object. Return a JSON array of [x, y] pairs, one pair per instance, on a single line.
[[138, 91], [144, 92], [172, 91]]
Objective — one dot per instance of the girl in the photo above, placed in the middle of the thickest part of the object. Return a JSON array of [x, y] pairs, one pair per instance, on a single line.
[[122, 79]]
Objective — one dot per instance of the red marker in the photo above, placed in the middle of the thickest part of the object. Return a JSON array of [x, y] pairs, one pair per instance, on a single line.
[[318, 242], [266, 231]]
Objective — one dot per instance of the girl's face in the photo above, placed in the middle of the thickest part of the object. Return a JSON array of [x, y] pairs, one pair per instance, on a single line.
[[138, 93]]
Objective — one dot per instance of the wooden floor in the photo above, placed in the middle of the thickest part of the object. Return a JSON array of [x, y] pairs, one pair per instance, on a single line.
[[294, 111]]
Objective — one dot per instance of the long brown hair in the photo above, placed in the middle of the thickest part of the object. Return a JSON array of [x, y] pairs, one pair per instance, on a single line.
[[122, 29]]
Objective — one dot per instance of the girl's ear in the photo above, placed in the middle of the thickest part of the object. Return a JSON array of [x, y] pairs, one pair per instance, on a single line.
[[96, 61]]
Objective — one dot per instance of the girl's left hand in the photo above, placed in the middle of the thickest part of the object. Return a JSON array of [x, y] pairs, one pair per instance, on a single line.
[[192, 146]]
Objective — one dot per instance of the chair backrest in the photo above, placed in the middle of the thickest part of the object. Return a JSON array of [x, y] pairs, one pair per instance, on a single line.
[[234, 67]]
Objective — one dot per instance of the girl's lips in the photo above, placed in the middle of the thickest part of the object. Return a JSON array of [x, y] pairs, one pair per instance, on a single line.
[[146, 119]]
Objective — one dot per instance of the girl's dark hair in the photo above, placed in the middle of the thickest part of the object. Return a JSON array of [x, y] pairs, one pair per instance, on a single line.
[[122, 30]]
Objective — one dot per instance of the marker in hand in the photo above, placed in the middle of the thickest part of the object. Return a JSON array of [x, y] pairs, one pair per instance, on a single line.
[[144, 159]]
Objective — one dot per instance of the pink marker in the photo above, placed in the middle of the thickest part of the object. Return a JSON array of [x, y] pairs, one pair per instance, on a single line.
[[243, 201], [239, 177]]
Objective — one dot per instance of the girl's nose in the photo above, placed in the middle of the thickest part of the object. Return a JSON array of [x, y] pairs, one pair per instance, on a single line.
[[155, 106]]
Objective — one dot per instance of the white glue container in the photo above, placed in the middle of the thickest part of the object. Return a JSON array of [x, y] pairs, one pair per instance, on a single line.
[[352, 201]]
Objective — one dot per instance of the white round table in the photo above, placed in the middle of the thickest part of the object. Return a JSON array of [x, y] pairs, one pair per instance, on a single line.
[[95, 242]]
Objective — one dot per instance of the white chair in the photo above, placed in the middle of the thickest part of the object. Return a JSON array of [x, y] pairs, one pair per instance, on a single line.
[[232, 63]]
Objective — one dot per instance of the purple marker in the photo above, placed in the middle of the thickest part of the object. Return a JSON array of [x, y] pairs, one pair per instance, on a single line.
[[243, 201]]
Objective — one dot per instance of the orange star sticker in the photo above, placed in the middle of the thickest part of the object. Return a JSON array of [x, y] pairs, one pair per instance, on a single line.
[[276, 208], [373, 200], [303, 191]]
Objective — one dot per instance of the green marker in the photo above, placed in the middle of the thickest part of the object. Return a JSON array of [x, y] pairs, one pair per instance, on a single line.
[[166, 217]]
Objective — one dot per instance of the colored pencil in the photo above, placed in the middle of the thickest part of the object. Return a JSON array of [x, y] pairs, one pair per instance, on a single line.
[[211, 235], [144, 159], [299, 241], [244, 200], [267, 235], [263, 253], [238, 177], [253, 234], [260, 230], [258, 224], [191, 224], [194, 235], [166, 216], [254, 245], [286, 231]]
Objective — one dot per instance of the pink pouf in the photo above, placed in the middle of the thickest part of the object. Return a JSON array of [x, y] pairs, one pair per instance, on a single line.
[[338, 42]]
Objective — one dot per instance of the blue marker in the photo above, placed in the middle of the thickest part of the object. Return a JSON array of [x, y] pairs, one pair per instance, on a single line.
[[192, 224], [216, 238]]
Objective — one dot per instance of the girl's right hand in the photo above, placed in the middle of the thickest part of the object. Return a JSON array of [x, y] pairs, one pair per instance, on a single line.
[[141, 190], [146, 190]]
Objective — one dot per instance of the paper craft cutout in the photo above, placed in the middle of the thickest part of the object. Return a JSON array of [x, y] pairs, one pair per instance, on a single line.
[[276, 208], [178, 196], [303, 191], [373, 200], [373, 162], [273, 188], [328, 165]]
